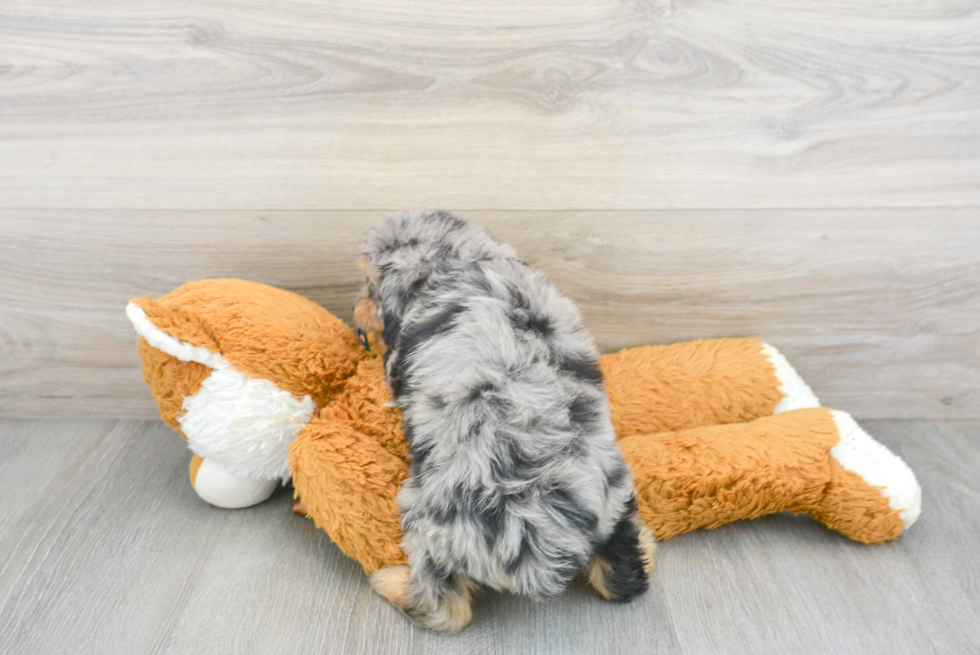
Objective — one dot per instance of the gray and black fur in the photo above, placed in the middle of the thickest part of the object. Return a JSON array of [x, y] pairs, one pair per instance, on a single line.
[[517, 482]]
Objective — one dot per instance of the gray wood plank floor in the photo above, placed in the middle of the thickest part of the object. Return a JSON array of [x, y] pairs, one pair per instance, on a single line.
[[104, 548]]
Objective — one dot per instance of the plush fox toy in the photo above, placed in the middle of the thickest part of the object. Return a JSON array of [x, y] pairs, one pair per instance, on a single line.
[[265, 386]]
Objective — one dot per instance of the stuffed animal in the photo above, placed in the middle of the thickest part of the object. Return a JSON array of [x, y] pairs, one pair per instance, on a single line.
[[265, 385]]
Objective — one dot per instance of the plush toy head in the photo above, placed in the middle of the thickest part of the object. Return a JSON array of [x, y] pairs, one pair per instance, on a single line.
[[211, 351]]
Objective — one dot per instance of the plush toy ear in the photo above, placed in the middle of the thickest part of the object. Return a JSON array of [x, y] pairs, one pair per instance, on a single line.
[[173, 332], [173, 368], [264, 332], [171, 381]]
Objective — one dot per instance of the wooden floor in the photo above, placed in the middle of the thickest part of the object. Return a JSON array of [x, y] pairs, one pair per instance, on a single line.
[[104, 548]]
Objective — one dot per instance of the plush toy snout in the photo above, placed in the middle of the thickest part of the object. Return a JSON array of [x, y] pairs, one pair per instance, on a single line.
[[216, 485]]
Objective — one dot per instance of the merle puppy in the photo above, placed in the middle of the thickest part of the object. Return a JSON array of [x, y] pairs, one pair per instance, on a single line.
[[517, 482]]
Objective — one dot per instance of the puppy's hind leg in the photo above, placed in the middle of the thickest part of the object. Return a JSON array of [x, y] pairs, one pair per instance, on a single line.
[[436, 601], [620, 569]]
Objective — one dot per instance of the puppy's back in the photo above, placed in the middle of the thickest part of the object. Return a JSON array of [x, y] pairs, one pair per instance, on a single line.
[[516, 477]]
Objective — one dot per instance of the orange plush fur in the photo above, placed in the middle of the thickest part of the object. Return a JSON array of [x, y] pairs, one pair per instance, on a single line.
[[694, 420]]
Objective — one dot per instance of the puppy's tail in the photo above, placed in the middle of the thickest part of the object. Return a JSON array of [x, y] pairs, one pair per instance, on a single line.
[[620, 568]]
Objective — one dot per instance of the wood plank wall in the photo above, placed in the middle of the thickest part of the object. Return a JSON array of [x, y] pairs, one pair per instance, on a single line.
[[877, 308], [804, 171]]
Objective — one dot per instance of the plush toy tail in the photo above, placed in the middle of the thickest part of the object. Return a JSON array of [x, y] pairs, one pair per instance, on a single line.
[[814, 461], [700, 383]]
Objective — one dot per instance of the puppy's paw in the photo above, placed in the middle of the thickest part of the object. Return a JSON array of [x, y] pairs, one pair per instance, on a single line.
[[619, 571], [450, 613], [392, 582], [597, 575], [648, 546]]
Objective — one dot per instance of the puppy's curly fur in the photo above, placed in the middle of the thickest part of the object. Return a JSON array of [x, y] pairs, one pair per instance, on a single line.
[[517, 482]]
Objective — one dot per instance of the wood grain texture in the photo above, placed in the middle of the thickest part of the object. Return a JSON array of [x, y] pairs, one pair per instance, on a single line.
[[878, 309], [105, 548], [497, 104]]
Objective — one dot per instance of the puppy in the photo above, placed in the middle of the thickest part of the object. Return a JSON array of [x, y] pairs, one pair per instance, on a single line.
[[516, 482]]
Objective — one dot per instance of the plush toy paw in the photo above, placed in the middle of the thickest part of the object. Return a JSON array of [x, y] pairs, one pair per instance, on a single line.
[[815, 461], [872, 493], [216, 485]]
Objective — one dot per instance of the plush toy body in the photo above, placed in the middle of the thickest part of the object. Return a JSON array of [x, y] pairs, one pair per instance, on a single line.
[[265, 385]]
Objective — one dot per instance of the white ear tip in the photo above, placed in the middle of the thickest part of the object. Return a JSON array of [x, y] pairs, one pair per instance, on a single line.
[[218, 486]]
